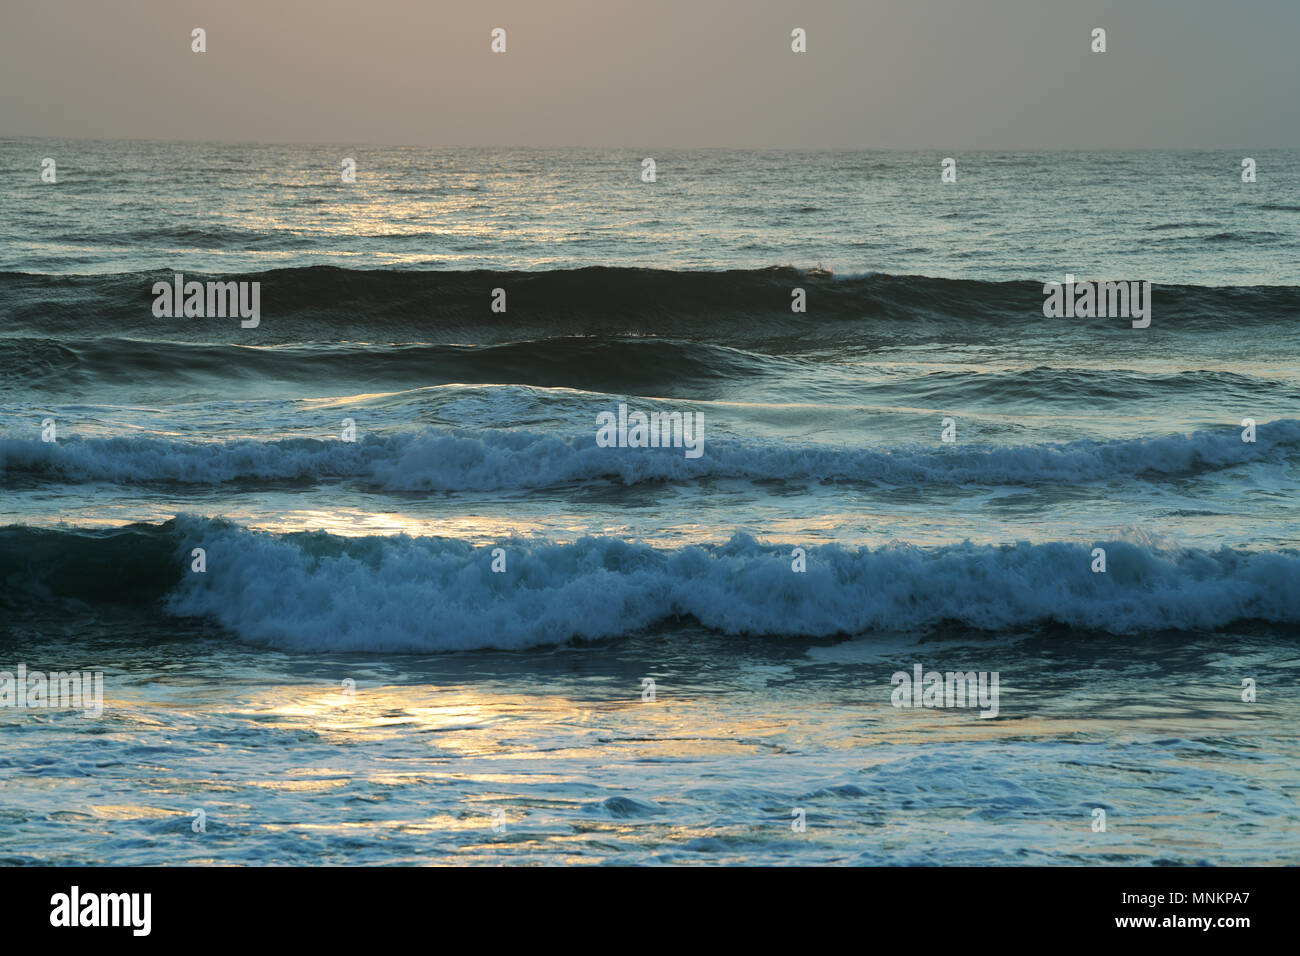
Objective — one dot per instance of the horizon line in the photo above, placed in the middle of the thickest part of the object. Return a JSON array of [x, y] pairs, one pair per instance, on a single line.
[[641, 148]]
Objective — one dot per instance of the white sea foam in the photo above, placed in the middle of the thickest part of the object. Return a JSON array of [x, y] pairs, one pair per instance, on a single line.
[[316, 591], [488, 459]]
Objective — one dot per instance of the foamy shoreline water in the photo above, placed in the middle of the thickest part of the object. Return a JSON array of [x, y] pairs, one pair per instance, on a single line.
[[420, 759]]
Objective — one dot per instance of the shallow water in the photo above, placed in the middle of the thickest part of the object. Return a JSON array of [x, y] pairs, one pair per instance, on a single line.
[[742, 733]]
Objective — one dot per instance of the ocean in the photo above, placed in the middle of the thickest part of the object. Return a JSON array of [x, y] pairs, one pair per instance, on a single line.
[[367, 583]]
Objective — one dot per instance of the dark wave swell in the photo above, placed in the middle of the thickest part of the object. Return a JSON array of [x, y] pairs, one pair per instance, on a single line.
[[325, 303]]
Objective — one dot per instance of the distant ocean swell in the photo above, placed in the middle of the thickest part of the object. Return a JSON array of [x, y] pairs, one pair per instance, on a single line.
[[596, 298], [313, 591], [606, 364], [458, 459], [597, 363]]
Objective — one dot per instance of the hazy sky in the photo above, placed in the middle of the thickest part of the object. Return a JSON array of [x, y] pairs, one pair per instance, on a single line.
[[943, 74]]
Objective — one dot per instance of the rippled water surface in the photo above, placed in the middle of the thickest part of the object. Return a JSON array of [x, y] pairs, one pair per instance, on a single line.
[[920, 469]]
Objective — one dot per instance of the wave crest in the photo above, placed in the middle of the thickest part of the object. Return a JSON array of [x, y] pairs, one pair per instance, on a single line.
[[315, 591], [449, 460]]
